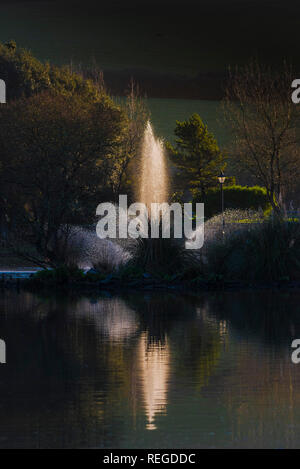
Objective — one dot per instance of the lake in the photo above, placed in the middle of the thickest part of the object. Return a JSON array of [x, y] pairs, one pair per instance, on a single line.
[[153, 370], [165, 112]]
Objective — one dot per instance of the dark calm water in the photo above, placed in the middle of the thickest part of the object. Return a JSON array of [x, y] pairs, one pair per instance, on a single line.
[[150, 370], [165, 112]]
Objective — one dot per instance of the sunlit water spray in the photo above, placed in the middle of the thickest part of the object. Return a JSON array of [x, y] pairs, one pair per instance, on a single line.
[[91, 251], [154, 181], [154, 362]]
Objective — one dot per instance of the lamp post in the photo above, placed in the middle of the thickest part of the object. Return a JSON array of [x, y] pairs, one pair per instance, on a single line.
[[221, 179]]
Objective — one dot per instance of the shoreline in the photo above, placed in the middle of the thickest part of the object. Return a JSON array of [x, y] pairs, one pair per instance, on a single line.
[[36, 285]]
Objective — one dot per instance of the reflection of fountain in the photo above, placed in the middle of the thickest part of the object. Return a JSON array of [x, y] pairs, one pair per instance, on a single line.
[[154, 176], [112, 317], [154, 362]]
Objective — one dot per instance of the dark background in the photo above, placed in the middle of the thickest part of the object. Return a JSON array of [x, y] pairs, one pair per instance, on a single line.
[[170, 47]]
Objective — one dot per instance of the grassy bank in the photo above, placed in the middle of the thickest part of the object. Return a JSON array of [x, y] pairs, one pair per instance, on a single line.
[[253, 252]]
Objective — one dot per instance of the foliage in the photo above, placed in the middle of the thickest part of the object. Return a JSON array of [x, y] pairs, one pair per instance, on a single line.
[[177, 197], [130, 271], [267, 251], [25, 76], [235, 197], [60, 275], [124, 163], [94, 276], [109, 256], [264, 124], [53, 154], [64, 147], [161, 256], [224, 258], [196, 154]]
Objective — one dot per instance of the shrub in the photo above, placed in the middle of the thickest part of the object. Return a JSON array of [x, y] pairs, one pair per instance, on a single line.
[[266, 251], [27, 76], [130, 271], [159, 256], [235, 197], [61, 275], [55, 155]]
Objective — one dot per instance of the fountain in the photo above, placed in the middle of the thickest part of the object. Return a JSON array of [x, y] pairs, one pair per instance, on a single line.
[[87, 250], [154, 181]]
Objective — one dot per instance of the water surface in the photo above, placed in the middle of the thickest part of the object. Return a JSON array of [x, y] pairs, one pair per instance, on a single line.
[[165, 112], [149, 370]]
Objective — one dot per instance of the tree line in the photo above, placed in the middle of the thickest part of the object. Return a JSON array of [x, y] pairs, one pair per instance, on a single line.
[[263, 122], [66, 146]]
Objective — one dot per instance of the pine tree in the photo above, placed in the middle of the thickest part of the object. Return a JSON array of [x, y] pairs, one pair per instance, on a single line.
[[196, 154]]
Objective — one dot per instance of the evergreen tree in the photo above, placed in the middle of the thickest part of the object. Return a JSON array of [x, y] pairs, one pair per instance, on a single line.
[[196, 154]]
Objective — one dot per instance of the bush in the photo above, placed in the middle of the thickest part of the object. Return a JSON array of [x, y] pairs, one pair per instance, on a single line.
[[266, 251], [55, 155], [235, 197], [160, 256], [61, 275], [27, 76]]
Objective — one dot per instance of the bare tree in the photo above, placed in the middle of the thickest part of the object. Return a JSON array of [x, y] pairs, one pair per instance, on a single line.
[[264, 121], [136, 116]]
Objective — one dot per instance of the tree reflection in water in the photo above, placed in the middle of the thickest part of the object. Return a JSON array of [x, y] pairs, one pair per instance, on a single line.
[[198, 370]]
